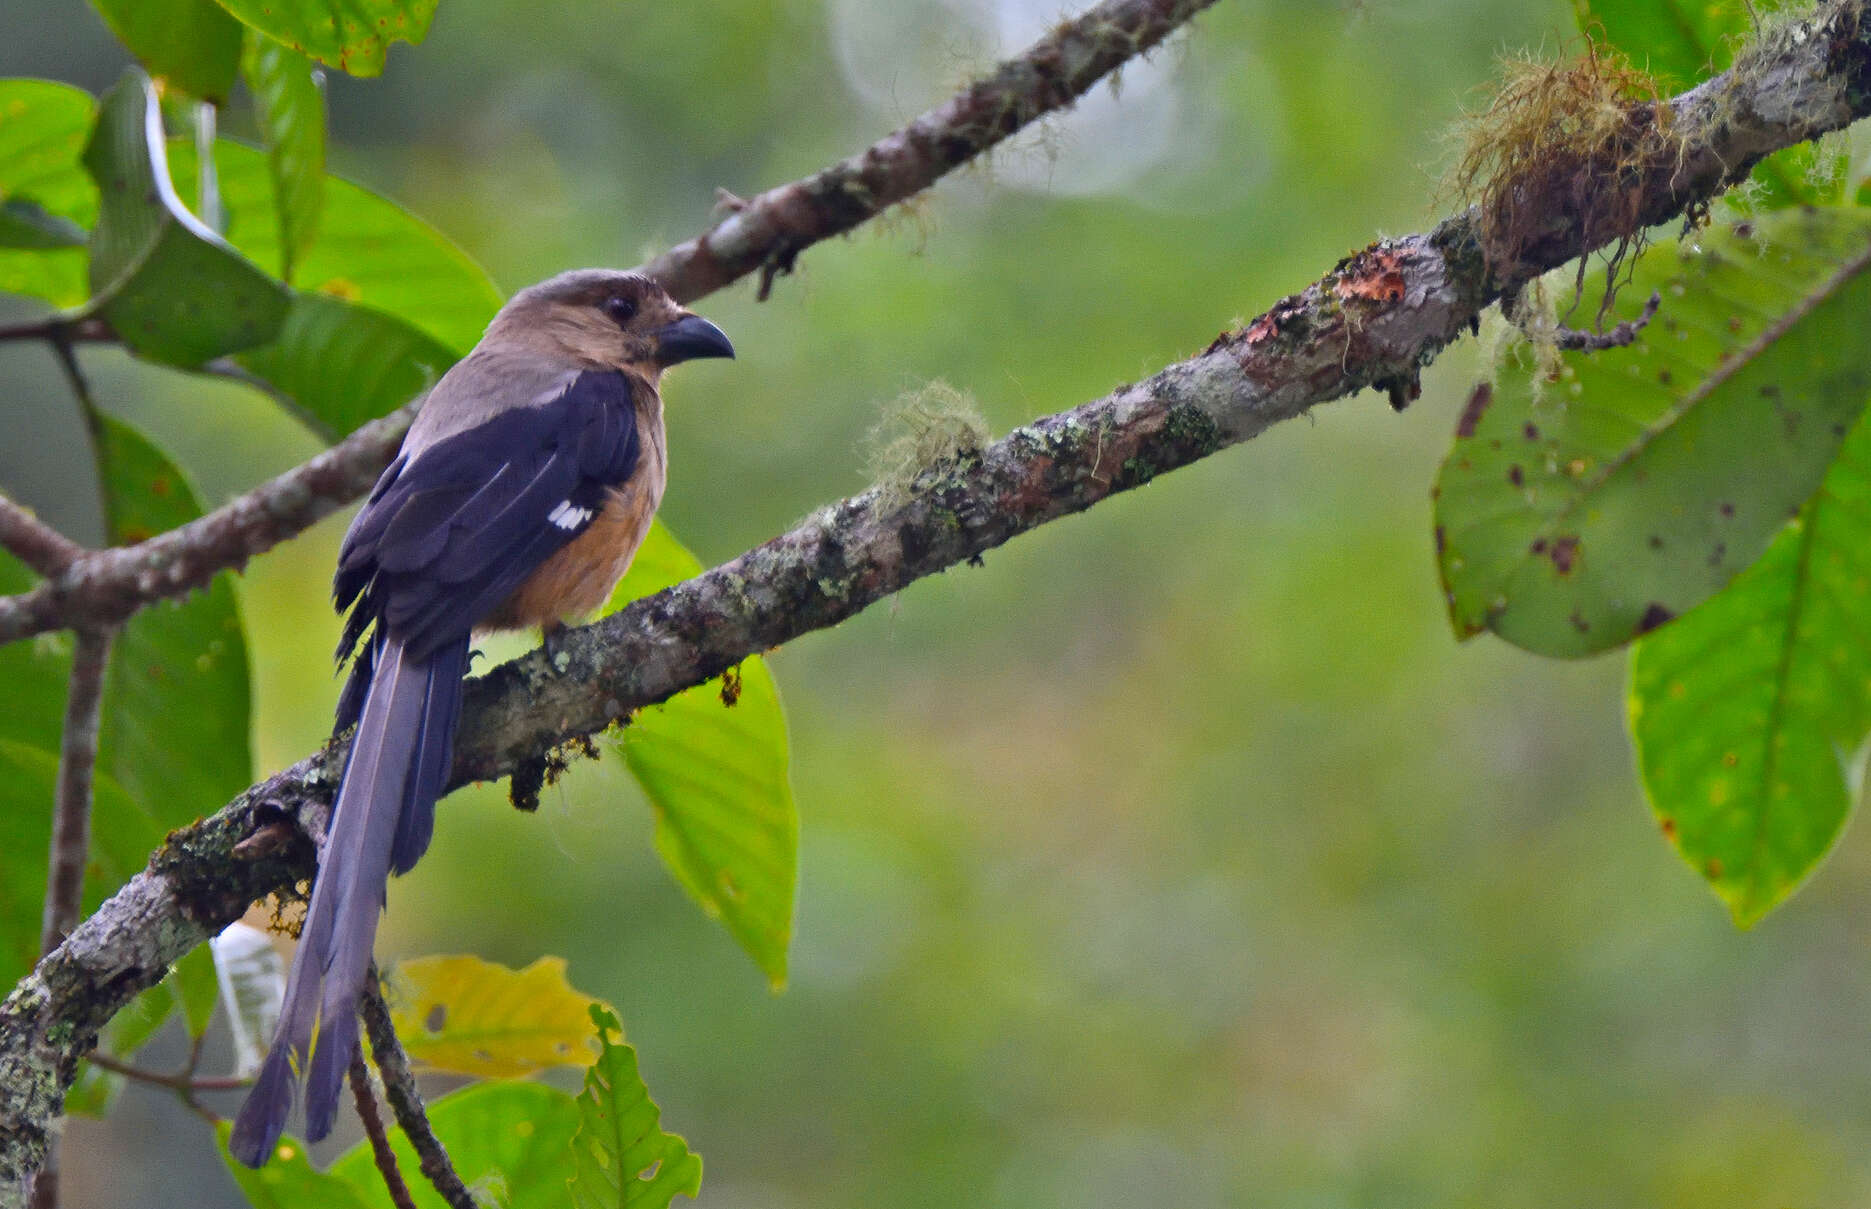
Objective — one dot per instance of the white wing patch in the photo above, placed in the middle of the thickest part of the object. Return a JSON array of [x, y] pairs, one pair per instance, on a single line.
[[569, 515]]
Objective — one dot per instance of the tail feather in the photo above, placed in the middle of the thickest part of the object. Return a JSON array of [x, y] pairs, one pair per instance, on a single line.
[[397, 767]]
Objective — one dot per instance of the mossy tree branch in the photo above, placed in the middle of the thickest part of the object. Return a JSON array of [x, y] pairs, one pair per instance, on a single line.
[[1373, 321]]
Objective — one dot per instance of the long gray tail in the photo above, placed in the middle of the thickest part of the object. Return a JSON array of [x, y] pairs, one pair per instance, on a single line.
[[398, 766]]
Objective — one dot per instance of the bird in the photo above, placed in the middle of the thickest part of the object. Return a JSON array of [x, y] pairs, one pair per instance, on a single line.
[[518, 498]]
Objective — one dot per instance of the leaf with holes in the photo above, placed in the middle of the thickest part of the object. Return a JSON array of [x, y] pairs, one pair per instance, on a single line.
[[43, 127], [289, 102], [1749, 712], [621, 1158], [193, 45], [172, 289], [351, 35], [510, 1136], [1638, 481], [474, 1017], [713, 762]]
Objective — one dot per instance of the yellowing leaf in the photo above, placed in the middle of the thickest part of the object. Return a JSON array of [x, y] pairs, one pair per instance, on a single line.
[[475, 1017]]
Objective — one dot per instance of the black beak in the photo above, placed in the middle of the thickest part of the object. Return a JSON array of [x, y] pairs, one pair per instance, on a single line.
[[691, 337]]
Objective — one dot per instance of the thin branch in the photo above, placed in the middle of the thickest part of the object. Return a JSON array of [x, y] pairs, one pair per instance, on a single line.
[[1619, 336], [80, 329], [34, 542], [766, 234], [71, 827], [399, 1088], [182, 1081], [1374, 321], [71, 817], [373, 1129]]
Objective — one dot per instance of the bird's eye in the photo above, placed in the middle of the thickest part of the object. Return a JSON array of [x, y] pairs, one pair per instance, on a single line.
[[621, 309]]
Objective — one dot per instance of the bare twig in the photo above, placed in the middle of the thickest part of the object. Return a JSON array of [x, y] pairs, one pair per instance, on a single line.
[[71, 818], [1618, 337], [71, 826], [79, 329], [373, 1129], [34, 542], [766, 233], [399, 1088], [1375, 320], [763, 234]]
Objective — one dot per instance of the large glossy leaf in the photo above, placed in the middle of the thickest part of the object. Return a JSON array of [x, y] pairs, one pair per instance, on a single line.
[[176, 702], [351, 35], [1748, 712], [473, 1017], [290, 105], [172, 289], [510, 1136], [42, 135], [193, 45], [621, 1158], [1683, 42], [369, 250], [122, 837], [342, 363], [713, 762], [1641, 480]]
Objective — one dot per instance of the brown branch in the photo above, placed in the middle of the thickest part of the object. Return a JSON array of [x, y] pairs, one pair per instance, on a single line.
[[34, 542], [71, 827], [71, 817], [766, 234], [769, 231], [373, 1129], [186, 1081], [1619, 336], [1373, 321], [399, 1088], [78, 330]]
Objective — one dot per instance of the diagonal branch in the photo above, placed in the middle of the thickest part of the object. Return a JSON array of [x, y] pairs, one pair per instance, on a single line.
[[1373, 321], [767, 233], [34, 542]]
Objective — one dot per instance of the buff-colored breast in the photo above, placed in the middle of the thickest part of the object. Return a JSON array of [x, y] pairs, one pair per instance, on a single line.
[[579, 578]]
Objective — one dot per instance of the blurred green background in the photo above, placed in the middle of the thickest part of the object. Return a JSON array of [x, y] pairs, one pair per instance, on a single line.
[[1177, 857]]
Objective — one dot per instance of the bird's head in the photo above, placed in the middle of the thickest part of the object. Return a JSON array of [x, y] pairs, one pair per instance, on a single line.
[[606, 319]]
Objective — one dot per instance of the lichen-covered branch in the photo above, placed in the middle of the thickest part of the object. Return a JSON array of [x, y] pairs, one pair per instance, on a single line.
[[1373, 321], [399, 1088], [769, 231], [766, 233]]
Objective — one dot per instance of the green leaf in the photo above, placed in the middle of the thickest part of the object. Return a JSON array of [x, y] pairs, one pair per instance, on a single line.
[[473, 1017], [1683, 42], [192, 45], [24, 223], [290, 105], [369, 250], [716, 776], [289, 1181], [42, 134], [621, 1157], [122, 837], [1641, 480], [343, 364], [351, 35], [196, 988], [510, 1136], [173, 290], [1747, 712], [186, 660]]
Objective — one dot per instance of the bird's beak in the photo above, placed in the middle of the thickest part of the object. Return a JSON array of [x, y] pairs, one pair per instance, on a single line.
[[691, 337]]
